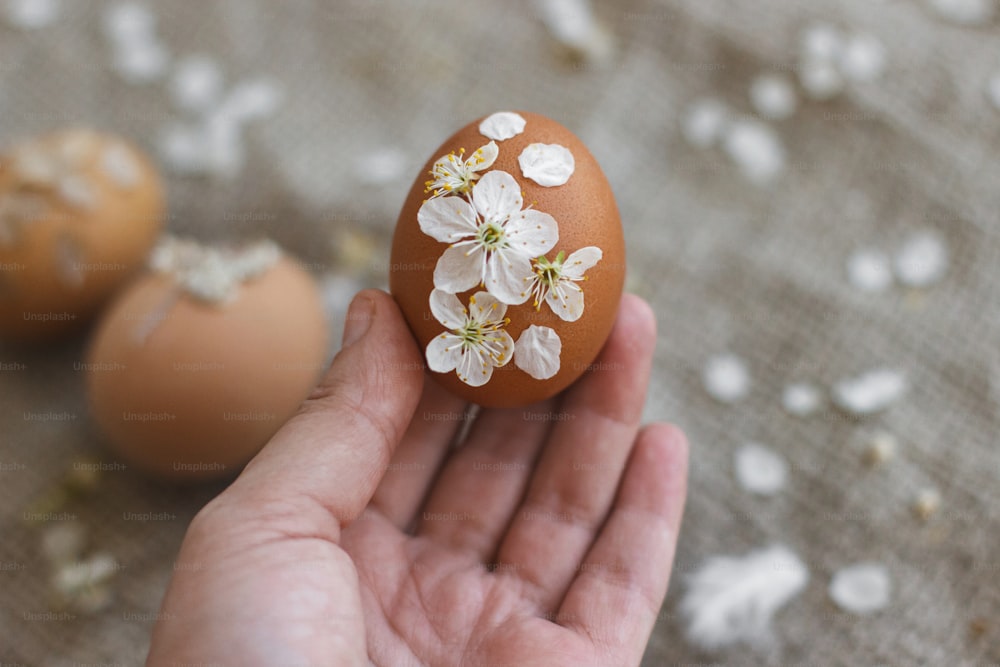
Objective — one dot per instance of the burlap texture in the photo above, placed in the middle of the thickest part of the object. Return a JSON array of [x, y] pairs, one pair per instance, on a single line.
[[728, 267]]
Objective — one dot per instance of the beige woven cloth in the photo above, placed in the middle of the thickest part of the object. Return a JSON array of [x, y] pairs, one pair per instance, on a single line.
[[729, 267]]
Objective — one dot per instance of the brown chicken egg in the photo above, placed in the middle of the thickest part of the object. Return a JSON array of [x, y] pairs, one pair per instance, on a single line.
[[508, 260], [79, 212], [196, 365]]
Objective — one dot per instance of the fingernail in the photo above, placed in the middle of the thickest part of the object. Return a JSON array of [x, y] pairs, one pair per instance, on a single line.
[[359, 319]]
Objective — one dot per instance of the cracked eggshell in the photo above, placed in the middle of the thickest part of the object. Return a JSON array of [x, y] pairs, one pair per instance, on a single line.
[[187, 390], [585, 210], [66, 260]]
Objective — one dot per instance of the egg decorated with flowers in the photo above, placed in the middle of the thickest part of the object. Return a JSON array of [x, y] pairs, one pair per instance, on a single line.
[[508, 260]]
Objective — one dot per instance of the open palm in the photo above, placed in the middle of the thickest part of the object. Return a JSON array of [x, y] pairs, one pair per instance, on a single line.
[[365, 534]]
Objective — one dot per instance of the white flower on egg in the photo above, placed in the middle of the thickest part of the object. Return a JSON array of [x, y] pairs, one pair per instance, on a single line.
[[555, 282], [492, 240], [475, 341], [452, 175]]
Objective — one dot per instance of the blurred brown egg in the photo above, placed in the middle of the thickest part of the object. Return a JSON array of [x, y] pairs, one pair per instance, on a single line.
[[79, 212], [508, 260], [196, 365]]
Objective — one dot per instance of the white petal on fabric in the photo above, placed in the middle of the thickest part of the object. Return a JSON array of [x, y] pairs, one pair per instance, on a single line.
[[532, 233], [459, 269], [548, 165], [447, 309], [502, 125], [497, 196], [537, 352], [447, 219]]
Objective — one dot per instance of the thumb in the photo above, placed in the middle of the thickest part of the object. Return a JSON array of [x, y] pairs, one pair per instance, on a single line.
[[336, 449]]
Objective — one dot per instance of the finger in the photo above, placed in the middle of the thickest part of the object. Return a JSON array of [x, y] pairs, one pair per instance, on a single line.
[[334, 451], [419, 455], [620, 587], [482, 483], [575, 482]]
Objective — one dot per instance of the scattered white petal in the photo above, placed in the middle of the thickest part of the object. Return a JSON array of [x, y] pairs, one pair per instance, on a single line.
[[863, 58], [927, 503], [869, 270], [822, 41], [31, 14], [129, 23], [773, 96], [821, 79], [760, 470], [382, 166], [502, 125], [570, 21], [212, 273], [142, 63], [881, 448], [756, 149], [197, 83], [801, 399], [572, 24], [182, 148], [993, 90], [226, 153], [726, 378], [861, 589], [547, 164], [253, 100], [965, 12], [63, 542], [120, 165], [705, 122], [871, 392], [732, 600], [537, 351], [923, 260]]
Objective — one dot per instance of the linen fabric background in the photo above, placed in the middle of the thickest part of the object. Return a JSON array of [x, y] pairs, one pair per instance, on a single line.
[[728, 266]]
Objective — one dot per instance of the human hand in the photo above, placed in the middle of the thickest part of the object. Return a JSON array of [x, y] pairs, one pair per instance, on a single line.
[[360, 536]]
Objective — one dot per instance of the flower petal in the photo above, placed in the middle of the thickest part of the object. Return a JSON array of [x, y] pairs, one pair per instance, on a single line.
[[509, 276], [566, 300], [532, 232], [447, 309], [444, 353], [577, 263], [459, 269], [547, 164], [501, 340], [483, 157], [447, 219], [502, 125], [497, 196], [474, 369], [537, 352], [486, 308]]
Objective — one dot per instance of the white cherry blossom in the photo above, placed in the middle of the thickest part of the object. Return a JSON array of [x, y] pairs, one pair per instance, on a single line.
[[492, 240], [537, 351], [452, 175], [555, 282], [475, 341]]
